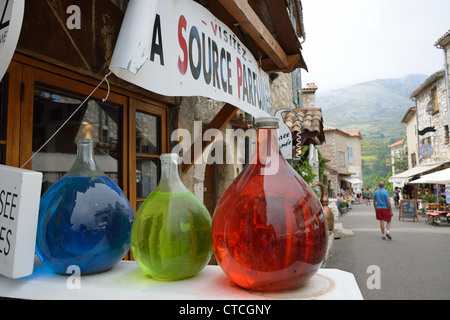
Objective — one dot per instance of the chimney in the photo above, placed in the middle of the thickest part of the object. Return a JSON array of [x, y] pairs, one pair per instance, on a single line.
[[309, 95]]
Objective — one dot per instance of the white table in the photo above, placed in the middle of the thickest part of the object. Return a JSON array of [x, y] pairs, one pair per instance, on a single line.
[[127, 281]]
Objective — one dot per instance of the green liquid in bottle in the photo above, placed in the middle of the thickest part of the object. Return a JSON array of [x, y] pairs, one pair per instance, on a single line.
[[171, 235]]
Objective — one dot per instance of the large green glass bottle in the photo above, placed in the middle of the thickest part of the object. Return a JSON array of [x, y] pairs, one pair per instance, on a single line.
[[171, 233]]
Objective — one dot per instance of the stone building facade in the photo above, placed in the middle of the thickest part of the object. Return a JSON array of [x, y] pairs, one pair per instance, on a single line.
[[432, 120], [342, 149], [427, 123], [432, 112]]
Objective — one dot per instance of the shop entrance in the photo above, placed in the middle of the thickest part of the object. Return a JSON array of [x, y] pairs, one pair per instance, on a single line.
[[129, 130]]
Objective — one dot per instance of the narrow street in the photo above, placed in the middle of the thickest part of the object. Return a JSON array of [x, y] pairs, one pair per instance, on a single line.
[[413, 265]]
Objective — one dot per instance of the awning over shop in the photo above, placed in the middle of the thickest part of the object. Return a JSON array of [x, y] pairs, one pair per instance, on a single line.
[[351, 180], [438, 177], [409, 174]]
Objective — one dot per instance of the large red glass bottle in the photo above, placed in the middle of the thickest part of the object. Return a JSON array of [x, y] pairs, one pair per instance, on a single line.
[[269, 229]]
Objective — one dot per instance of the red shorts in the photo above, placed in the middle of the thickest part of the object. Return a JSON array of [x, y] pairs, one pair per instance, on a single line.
[[383, 215]]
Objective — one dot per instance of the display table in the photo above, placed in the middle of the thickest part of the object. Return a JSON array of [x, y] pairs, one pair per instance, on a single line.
[[127, 281]]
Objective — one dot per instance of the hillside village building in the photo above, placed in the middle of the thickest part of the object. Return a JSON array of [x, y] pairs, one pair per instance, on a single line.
[[342, 149], [428, 140]]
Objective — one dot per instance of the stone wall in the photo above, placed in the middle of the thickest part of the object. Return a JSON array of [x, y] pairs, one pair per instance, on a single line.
[[428, 117], [281, 93], [309, 99], [335, 150]]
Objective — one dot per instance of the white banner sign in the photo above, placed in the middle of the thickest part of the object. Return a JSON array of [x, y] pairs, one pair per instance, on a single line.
[[11, 17], [178, 48], [20, 192]]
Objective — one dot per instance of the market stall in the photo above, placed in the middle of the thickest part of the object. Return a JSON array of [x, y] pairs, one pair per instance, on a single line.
[[437, 212]]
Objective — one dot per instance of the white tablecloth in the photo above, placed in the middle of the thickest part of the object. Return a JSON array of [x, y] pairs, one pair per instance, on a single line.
[[127, 281]]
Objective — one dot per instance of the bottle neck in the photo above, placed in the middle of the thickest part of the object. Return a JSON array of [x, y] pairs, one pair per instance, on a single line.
[[85, 164], [170, 177], [267, 142], [267, 153]]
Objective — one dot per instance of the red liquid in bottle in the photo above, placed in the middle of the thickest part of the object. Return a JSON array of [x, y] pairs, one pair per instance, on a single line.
[[269, 230]]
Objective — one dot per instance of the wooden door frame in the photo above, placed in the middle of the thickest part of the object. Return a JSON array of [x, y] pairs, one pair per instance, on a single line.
[[153, 109], [13, 114]]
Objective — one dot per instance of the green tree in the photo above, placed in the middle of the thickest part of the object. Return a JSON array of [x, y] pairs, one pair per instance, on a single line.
[[388, 186], [400, 163]]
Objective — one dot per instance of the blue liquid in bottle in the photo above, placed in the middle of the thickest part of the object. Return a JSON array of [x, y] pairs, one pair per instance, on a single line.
[[84, 220]]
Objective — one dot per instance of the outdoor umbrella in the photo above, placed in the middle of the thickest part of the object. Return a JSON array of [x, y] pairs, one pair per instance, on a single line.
[[439, 177]]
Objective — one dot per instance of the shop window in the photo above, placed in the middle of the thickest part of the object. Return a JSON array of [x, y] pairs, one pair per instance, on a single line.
[[433, 104], [129, 129], [341, 159], [3, 117], [436, 101], [350, 155], [95, 120]]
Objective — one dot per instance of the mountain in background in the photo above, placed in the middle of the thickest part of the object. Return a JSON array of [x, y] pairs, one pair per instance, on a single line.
[[376, 107]]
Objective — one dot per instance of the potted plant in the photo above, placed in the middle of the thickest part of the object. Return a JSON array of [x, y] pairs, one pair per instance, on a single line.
[[343, 205]]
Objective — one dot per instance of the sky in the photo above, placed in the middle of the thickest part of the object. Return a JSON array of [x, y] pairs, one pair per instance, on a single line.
[[354, 41]]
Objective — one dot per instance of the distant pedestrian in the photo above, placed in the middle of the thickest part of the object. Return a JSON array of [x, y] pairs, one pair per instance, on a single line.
[[367, 196], [358, 195], [383, 210], [396, 194]]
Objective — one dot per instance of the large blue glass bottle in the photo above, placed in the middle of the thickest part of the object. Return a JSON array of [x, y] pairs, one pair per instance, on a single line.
[[84, 218]]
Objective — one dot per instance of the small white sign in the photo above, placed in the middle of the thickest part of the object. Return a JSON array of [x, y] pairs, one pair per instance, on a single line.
[[20, 193], [285, 138], [11, 17]]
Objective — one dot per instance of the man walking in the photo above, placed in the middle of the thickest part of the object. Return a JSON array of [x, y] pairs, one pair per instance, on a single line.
[[383, 210]]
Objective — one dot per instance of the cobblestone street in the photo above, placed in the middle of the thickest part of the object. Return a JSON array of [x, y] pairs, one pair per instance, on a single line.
[[413, 265]]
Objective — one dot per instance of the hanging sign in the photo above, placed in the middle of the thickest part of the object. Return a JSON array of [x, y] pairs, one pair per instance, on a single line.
[[426, 151], [11, 17], [20, 192], [178, 48]]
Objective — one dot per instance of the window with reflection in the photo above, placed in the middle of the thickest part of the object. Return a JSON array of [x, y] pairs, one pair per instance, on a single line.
[[148, 150], [95, 120]]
